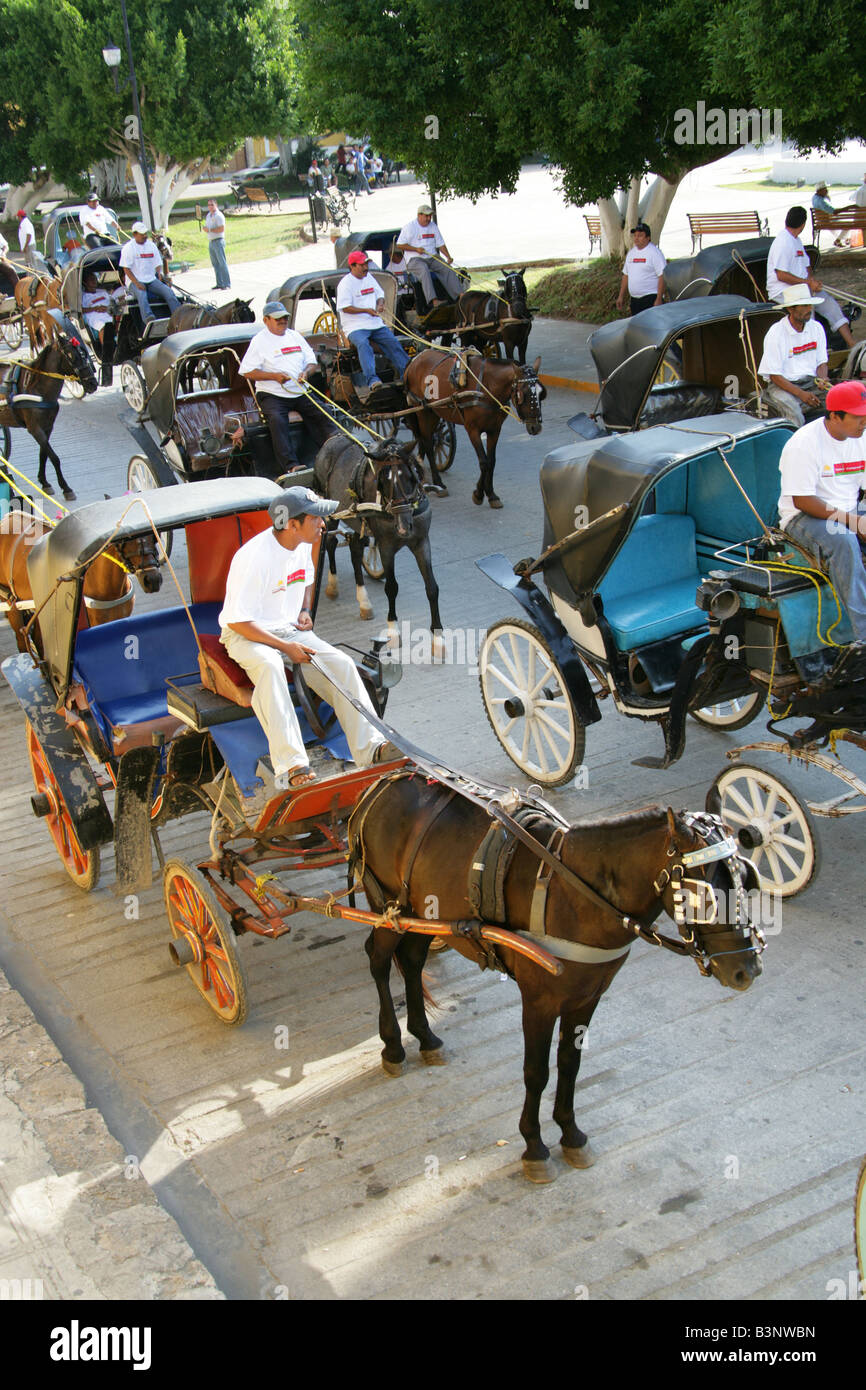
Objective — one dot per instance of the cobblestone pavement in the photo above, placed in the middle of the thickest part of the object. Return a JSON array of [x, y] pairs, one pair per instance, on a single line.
[[728, 1127]]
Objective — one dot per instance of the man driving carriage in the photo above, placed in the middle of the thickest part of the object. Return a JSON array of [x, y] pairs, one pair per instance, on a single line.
[[266, 625], [360, 302], [278, 361], [97, 222], [794, 360], [142, 262], [424, 246], [788, 264], [823, 469]]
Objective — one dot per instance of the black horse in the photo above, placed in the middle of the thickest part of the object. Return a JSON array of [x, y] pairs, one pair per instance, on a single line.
[[497, 318], [30, 392], [207, 315], [384, 490]]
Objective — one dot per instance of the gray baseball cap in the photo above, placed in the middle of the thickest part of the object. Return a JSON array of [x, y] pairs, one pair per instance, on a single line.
[[275, 310], [298, 501]]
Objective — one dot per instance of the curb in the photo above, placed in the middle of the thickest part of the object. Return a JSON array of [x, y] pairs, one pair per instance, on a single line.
[[570, 383]]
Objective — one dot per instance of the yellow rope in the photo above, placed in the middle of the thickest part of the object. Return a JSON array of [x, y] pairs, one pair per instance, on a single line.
[[308, 389], [17, 471]]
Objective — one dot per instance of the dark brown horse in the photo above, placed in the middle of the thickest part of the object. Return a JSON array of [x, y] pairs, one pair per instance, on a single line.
[[497, 318], [386, 486], [474, 392], [30, 392], [206, 315], [420, 841]]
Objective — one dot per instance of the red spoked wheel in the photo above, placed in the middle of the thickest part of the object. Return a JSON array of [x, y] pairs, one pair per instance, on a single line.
[[204, 941], [81, 865]]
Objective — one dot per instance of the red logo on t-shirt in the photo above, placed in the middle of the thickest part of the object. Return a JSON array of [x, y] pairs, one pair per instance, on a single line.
[[296, 576], [284, 350], [803, 347], [369, 290], [850, 466], [638, 260]]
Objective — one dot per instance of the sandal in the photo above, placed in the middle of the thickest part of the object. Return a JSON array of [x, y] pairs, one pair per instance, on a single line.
[[301, 777]]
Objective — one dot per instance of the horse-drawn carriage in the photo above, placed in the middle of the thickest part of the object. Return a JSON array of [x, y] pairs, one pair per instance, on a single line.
[[671, 590]]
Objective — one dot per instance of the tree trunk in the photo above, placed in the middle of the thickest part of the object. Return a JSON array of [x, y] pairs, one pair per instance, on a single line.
[[28, 196], [287, 165], [169, 181], [109, 178], [620, 214]]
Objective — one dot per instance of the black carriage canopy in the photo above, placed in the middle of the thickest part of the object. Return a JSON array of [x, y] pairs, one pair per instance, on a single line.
[[316, 283], [162, 363], [729, 267], [101, 260], [56, 563], [582, 483], [629, 352], [366, 241]]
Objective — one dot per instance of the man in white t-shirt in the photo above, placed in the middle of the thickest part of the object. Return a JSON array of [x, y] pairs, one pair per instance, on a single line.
[[27, 239], [267, 625], [8, 273], [788, 264], [278, 362], [424, 247], [823, 468], [360, 302], [97, 222], [215, 226], [859, 199], [794, 360], [643, 275], [142, 262]]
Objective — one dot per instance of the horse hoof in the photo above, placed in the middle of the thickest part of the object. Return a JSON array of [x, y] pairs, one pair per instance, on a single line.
[[69, 495], [579, 1158], [393, 1068], [478, 498], [365, 613], [434, 1058], [538, 1170], [47, 488], [495, 502], [440, 491]]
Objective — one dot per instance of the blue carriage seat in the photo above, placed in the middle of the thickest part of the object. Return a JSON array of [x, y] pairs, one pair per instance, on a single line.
[[649, 591]]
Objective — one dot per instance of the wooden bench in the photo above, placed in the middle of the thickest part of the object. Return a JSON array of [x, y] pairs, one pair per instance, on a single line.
[[251, 195], [843, 220], [593, 226], [724, 224]]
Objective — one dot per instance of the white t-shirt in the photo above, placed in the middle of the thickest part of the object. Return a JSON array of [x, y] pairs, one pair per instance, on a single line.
[[98, 305], [859, 199], [643, 266], [144, 261], [25, 231], [4, 245], [791, 354], [814, 464], [789, 254], [428, 238], [266, 583], [360, 294], [278, 352], [215, 225], [95, 221]]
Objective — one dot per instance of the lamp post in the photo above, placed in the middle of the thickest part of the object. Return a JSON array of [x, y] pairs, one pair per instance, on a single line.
[[111, 54]]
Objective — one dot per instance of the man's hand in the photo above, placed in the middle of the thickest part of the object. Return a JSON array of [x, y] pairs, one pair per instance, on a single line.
[[304, 622], [298, 654], [809, 398], [814, 285]]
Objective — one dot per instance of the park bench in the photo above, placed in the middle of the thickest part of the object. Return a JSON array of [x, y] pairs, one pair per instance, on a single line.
[[593, 226], [250, 195], [724, 224], [843, 220]]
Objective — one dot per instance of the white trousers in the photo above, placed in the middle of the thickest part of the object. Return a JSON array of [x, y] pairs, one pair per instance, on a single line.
[[272, 699]]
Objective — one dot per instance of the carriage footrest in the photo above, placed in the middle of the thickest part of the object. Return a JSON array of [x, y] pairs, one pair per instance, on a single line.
[[201, 709]]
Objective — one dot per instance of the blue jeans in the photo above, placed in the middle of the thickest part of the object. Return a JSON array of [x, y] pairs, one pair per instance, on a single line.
[[364, 338], [361, 183], [217, 249], [840, 554], [156, 289]]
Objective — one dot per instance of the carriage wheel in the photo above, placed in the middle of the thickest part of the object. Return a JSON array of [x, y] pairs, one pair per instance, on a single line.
[[203, 932], [133, 386], [372, 560], [444, 445], [771, 823], [860, 1221], [527, 703], [13, 332], [327, 322], [81, 865], [730, 714], [140, 476]]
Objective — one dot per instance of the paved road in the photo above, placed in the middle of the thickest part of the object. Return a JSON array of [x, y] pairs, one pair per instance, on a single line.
[[728, 1127]]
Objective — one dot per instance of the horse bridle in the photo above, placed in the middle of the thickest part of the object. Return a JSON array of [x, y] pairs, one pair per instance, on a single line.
[[399, 500], [527, 382]]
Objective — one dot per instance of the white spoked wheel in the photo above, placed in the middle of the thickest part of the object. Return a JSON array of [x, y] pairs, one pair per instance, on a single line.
[[527, 703], [444, 445], [12, 330], [372, 560], [730, 714], [140, 477], [771, 824], [132, 386]]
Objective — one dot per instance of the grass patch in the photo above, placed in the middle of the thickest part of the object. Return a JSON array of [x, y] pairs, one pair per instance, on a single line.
[[767, 185], [585, 290], [249, 237]]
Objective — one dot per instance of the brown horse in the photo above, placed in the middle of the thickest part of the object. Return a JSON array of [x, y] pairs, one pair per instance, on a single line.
[[421, 842], [30, 392], [108, 592], [474, 392], [35, 296], [497, 318], [206, 315]]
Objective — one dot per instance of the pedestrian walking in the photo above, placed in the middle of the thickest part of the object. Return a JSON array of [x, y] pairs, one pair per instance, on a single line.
[[215, 226], [27, 240]]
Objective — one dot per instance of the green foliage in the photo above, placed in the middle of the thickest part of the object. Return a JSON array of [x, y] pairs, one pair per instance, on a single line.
[[584, 292]]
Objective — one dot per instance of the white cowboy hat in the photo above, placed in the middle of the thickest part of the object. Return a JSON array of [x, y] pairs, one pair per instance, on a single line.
[[797, 294]]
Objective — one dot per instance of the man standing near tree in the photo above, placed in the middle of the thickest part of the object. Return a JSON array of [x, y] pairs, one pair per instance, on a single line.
[[215, 226], [27, 239], [643, 275]]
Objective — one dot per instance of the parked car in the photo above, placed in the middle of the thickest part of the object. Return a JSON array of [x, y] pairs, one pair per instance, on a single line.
[[268, 166]]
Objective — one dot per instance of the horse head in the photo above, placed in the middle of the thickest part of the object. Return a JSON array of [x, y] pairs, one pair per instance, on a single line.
[[73, 358], [528, 395], [242, 312], [514, 290], [708, 888], [140, 554], [399, 482]]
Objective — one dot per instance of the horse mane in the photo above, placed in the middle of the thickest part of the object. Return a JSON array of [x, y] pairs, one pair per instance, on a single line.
[[641, 819]]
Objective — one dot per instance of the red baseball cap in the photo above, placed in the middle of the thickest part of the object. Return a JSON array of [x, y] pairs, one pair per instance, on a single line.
[[357, 258], [21, 213], [848, 396]]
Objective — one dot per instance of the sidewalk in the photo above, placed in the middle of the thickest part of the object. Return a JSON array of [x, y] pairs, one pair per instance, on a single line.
[[77, 1219]]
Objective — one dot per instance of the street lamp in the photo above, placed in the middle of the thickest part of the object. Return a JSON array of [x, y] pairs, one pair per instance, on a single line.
[[112, 56]]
